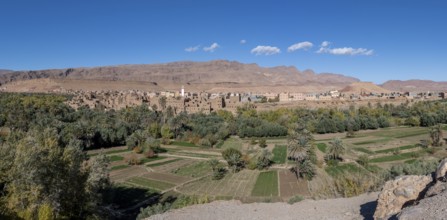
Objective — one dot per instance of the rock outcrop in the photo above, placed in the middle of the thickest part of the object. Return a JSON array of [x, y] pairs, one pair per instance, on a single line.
[[415, 197], [399, 192], [432, 208], [442, 170]]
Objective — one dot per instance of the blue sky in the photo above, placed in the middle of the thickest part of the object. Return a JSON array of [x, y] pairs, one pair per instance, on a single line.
[[373, 40]]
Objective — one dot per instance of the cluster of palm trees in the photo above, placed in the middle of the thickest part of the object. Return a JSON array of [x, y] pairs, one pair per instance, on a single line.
[[302, 151]]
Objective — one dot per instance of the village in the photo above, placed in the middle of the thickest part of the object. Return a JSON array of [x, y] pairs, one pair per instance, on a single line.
[[205, 102]]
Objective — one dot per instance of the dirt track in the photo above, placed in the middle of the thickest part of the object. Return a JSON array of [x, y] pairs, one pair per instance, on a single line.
[[360, 207]]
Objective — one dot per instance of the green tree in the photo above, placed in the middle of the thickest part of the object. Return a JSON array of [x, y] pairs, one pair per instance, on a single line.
[[233, 158], [262, 143], [162, 102], [166, 134], [264, 160]]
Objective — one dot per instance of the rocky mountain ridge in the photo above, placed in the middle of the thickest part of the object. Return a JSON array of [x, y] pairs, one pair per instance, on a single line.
[[217, 72]]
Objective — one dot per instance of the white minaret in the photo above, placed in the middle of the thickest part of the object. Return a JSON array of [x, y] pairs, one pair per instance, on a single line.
[[183, 91]]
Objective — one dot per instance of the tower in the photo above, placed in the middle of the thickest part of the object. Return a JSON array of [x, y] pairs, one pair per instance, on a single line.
[[183, 91]]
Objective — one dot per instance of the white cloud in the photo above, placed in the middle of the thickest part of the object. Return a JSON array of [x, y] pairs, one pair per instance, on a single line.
[[265, 50], [300, 46], [346, 51], [324, 48], [211, 48], [325, 43], [243, 41], [192, 49]]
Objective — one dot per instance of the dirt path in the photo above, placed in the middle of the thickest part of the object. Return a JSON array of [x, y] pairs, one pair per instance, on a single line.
[[360, 207]]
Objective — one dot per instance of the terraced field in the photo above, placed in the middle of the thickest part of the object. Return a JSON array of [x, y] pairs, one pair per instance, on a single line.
[[233, 185]]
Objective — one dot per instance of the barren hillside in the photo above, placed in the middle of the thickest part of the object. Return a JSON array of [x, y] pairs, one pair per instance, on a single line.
[[363, 87], [415, 85], [213, 75]]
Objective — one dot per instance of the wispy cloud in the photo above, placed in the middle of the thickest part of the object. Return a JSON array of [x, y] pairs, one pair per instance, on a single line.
[[192, 49], [325, 43], [300, 46], [324, 48], [265, 50], [243, 41], [212, 47]]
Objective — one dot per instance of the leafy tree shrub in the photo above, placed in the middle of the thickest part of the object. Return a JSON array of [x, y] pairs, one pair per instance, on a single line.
[[218, 170], [149, 211], [262, 143], [264, 160], [233, 158], [416, 168], [295, 199], [363, 160]]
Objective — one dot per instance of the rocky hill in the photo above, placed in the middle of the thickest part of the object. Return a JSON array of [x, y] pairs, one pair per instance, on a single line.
[[363, 87], [415, 85], [201, 75]]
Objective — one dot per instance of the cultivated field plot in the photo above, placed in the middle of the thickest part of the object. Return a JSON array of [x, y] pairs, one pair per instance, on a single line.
[[234, 185], [290, 186], [167, 168], [196, 169], [279, 154], [167, 177], [149, 183], [266, 185], [126, 173]]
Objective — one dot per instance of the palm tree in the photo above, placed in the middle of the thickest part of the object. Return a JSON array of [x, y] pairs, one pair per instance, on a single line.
[[336, 148], [300, 145]]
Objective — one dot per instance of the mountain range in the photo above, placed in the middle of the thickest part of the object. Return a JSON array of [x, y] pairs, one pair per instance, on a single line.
[[216, 75]]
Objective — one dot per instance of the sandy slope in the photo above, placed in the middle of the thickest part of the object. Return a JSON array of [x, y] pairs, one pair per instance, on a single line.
[[360, 207]]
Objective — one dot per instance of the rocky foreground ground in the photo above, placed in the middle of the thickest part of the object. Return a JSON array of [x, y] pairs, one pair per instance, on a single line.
[[360, 207]]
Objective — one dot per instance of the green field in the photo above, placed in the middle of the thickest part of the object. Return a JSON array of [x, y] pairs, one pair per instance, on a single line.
[[147, 160], [114, 158], [322, 147], [183, 144], [152, 184], [363, 150], [266, 185], [402, 156], [390, 150], [163, 163], [119, 167], [279, 154], [340, 169], [194, 170], [372, 141], [194, 154]]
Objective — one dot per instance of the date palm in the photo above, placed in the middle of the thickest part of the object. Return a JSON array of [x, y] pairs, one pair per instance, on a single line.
[[336, 148]]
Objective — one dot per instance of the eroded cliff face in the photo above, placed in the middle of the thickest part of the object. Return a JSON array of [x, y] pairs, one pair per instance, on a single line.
[[414, 197]]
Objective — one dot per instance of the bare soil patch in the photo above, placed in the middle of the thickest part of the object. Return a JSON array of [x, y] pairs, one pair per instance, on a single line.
[[290, 186]]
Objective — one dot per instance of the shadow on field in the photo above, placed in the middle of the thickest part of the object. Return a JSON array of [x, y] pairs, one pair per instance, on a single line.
[[367, 210]]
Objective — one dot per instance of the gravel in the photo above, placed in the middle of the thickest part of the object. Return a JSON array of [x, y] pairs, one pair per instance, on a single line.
[[429, 208], [360, 207]]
